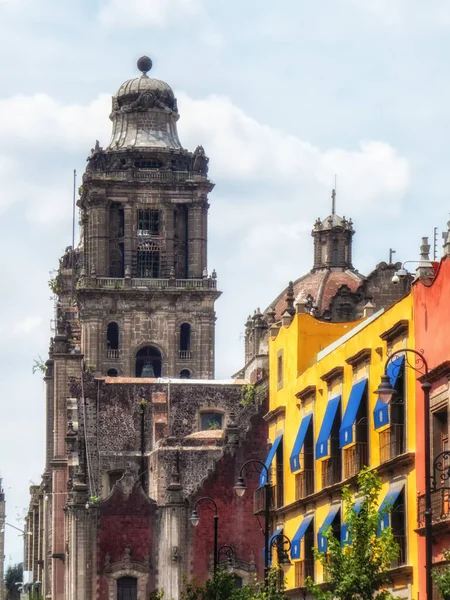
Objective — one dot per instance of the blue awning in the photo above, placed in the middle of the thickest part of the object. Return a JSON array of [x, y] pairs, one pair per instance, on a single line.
[[327, 424], [272, 537], [346, 430], [322, 541], [269, 459], [387, 504], [295, 543], [344, 527], [298, 445], [381, 410]]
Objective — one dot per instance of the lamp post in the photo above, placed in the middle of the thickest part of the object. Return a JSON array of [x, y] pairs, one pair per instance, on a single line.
[[240, 488], [230, 554], [385, 392], [283, 544], [195, 520]]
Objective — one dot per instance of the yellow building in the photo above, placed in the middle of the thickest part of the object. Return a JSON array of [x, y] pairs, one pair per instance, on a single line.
[[325, 424]]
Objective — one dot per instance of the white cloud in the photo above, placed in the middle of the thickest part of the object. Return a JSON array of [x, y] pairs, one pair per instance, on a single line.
[[144, 13], [42, 122], [241, 149]]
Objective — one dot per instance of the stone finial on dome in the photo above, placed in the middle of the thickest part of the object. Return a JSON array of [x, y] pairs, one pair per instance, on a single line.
[[144, 64], [270, 316], [290, 298]]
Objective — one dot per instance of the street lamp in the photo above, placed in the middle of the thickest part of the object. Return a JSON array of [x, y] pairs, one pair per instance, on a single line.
[[385, 392], [195, 520], [23, 532], [230, 554], [283, 544], [240, 488]]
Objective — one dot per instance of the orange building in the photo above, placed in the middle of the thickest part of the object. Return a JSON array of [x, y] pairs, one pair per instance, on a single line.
[[432, 336]]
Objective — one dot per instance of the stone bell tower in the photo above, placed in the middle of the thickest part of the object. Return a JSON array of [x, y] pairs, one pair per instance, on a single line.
[[144, 293]]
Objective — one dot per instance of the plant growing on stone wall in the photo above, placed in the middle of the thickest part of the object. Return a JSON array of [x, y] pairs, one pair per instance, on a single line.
[[441, 577], [142, 403], [54, 282], [360, 568], [90, 369], [248, 394], [94, 500], [38, 365]]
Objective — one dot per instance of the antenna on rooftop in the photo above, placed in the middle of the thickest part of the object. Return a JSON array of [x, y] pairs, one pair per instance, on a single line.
[[391, 253]]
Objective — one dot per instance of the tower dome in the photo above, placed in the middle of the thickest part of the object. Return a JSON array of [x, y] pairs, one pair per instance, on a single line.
[[144, 113]]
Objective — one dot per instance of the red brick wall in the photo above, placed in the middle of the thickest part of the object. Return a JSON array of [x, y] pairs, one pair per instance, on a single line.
[[125, 521], [237, 524]]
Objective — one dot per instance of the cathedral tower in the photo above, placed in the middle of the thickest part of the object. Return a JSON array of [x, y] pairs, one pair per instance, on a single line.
[[333, 241], [144, 294]]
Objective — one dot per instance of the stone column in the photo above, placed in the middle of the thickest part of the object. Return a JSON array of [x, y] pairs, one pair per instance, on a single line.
[[99, 238], [168, 257], [172, 557], [195, 241], [128, 237]]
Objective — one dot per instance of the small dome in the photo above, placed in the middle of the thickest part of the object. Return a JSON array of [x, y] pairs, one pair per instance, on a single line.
[[144, 113], [141, 84]]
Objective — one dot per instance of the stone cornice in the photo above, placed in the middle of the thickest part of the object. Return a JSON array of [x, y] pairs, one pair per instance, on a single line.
[[335, 373], [272, 415], [360, 357], [399, 329], [309, 390]]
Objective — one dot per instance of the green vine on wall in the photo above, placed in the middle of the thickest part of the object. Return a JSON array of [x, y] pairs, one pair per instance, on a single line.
[[248, 394]]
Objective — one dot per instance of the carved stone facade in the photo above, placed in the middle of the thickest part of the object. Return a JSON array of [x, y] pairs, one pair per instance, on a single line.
[[137, 430]]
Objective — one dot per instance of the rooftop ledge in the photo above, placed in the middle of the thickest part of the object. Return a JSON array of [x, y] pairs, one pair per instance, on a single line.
[[172, 381], [137, 283]]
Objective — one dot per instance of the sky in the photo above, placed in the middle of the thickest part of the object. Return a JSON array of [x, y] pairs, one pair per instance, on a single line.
[[283, 96]]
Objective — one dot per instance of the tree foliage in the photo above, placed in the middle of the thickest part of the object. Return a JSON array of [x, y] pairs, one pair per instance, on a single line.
[[359, 569], [222, 586], [441, 577], [14, 574]]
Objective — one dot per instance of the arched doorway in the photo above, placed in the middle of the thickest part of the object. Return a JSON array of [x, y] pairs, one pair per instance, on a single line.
[[127, 588], [148, 362]]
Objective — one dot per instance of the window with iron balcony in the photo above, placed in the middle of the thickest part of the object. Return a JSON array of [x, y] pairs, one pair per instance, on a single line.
[[304, 568]]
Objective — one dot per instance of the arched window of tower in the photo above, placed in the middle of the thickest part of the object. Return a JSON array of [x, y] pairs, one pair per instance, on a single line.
[[185, 374], [335, 252], [148, 259], [112, 337], [185, 341], [127, 588], [148, 362], [112, 373]]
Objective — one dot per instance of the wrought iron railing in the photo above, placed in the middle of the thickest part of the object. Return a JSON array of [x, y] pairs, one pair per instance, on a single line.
[[304, 484], [259, 499], [355, 458], [112, 354], [440, 506], [185, 354], [392, 442], [401, 557], [331, 471], [303, 570]]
